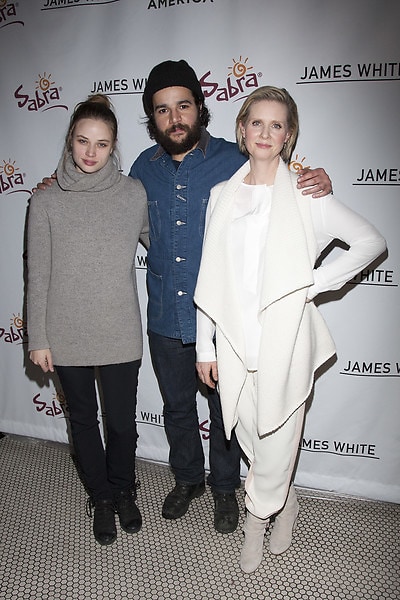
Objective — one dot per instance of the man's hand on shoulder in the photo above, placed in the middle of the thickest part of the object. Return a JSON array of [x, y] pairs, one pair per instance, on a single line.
[[45, 183], [315, 182]]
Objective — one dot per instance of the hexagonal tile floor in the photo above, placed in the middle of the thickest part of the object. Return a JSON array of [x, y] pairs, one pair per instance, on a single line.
[[343, 548]]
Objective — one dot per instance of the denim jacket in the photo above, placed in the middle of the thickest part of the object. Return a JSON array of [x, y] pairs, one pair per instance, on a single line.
[[177, 201]]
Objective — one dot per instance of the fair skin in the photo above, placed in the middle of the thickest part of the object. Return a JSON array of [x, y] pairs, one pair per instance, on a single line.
[[264, 132], [175, 110], [91, 146]]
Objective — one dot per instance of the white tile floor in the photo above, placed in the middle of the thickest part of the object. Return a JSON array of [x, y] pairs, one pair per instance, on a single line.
[[343, 548]]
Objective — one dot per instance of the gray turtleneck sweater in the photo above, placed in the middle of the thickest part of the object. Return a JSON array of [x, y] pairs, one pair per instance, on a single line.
[[82, 294]]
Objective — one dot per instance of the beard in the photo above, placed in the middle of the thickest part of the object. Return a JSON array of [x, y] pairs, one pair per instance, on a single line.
[[173, 148]]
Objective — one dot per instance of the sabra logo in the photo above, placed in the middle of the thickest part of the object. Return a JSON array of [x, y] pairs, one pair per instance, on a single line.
[[297, 164], [44, 97], [204, 429], [10, 178], [16, 333], [55, 408], [7, 12], [241, 81]]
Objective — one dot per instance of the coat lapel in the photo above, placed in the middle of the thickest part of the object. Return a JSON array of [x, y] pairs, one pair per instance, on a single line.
[[287, 265], [217, 267]]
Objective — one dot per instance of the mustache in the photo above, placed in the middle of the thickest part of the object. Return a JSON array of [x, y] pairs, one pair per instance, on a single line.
[[178, 128]]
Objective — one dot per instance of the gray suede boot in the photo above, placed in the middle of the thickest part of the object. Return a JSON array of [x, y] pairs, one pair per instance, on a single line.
[[252, 549], [285, 524]]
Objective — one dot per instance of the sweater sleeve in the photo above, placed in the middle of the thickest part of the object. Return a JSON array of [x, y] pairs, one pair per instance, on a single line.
[[144, 234], [39, 267], [333, 220]]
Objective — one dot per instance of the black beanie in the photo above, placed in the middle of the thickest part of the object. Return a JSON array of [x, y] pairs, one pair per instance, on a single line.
[[168, 74]]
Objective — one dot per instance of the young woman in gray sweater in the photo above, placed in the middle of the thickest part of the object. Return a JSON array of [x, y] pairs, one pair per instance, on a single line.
[[83, 309]]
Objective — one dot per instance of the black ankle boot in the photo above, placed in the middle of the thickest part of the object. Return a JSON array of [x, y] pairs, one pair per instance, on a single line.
[[129, 515], [104, 522]]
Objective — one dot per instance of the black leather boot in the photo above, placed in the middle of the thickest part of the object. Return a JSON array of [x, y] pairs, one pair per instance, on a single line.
[[226, 512], [178, 500], [104, 528], [129, 515]]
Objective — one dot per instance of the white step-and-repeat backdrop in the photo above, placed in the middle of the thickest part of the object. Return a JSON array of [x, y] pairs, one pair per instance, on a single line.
[[341, 62]]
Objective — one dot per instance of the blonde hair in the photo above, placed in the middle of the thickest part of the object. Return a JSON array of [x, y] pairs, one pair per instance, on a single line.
[[281, 95]]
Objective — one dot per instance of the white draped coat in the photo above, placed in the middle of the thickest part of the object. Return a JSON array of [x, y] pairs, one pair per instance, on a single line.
[[295, 340]]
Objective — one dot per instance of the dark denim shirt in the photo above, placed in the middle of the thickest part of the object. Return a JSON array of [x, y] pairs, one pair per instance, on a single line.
[[177, 200]]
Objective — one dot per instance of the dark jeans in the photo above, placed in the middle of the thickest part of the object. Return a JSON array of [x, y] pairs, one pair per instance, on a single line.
[[175, 367], [108, 469]]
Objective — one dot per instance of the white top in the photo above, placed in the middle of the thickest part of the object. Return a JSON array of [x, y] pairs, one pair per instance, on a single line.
[[246, 237]]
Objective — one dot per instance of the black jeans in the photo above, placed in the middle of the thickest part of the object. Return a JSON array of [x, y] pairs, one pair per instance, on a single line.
[[175, 367], [108, 468]]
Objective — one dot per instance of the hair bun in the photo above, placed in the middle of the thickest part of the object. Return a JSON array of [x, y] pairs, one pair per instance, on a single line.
[[100, 99]]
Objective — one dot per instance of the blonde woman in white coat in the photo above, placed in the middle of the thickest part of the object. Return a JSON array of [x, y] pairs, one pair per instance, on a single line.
[[254, 293]]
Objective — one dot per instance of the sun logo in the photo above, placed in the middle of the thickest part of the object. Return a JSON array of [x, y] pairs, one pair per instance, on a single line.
[[44, 82], [297, 164], [59, 397], [8, 168], [17, 321], [239, 68]]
